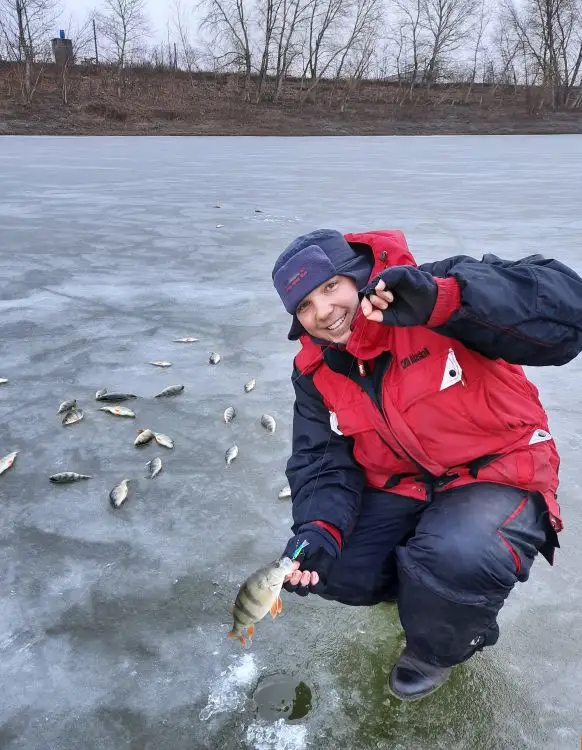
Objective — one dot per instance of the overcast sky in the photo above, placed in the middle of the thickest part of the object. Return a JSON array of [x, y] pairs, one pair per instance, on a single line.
[[158, 12]]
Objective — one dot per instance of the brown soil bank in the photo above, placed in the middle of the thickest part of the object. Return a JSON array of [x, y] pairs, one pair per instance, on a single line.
[[168, 102]]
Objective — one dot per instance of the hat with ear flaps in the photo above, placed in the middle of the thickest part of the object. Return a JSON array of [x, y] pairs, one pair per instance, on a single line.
[[311, 260]]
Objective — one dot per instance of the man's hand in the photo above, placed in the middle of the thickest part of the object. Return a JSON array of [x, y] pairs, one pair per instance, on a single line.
[[314, 559], [302, 577], [374, 305], [400, 296]]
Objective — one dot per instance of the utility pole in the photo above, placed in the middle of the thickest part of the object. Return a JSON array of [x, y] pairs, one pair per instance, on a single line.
[[95, 40]]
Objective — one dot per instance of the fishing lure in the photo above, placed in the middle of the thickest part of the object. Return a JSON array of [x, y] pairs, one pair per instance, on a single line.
[[299, 549]]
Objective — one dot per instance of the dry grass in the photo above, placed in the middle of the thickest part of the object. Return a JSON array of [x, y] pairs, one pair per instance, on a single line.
[[173, 102]]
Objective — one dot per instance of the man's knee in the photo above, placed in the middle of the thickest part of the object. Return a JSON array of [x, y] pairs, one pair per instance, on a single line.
[[475, 553], [470, 571]]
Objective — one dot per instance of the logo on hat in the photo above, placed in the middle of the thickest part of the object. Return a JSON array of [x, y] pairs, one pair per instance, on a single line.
[[295, 279]]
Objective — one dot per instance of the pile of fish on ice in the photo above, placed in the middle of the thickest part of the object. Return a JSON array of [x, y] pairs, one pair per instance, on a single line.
[[72, 414]]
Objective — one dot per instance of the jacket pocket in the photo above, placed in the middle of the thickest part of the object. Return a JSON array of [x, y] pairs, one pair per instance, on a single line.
[[450, 389], [437, 374]]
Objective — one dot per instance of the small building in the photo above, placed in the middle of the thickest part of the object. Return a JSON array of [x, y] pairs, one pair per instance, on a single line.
[[63, 50]]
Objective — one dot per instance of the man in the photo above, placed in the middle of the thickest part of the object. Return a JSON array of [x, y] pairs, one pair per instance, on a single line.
[[423, 469]]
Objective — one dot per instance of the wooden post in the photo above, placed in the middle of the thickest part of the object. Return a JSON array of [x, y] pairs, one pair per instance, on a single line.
[[95, 40]]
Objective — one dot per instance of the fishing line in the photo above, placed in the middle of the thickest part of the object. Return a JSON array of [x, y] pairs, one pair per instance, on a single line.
[[330, 436]]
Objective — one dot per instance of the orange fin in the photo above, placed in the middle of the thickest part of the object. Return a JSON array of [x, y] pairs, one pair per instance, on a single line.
[[251, 631], [240, 638], [274, 609], [279, 605]]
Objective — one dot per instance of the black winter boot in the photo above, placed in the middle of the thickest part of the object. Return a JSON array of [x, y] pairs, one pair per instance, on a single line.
[[412, 678]]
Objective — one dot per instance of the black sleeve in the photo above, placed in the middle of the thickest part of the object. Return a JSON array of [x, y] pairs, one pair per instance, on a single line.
[[326, 483], [527, 312]]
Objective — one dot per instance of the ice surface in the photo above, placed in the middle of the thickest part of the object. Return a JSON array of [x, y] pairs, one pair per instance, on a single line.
[[276, 736], [229, 691], [113, 623]]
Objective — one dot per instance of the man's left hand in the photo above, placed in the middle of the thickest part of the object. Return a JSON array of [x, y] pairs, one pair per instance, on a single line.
[[400, 296]]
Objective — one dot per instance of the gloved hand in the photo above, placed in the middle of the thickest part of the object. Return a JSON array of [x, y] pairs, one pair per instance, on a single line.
[[400, 296], [315, 558]]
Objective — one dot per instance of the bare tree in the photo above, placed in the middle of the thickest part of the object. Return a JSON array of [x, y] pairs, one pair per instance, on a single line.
[[364, 33], [446, 23], [549, 34], [268, 11], [25, 27], [81, 36], [189, 54], [483, 20], [364, 18], [504, 68], [356, 66], [229, 24], [125, 26], [292, 19], [412, 43], [324, 19]]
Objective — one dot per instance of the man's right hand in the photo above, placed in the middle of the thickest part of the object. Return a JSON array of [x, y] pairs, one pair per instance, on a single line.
[[314, 559], [300, 578]]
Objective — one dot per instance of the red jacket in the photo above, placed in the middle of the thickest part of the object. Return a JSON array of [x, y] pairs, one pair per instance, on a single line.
[[447, 412]]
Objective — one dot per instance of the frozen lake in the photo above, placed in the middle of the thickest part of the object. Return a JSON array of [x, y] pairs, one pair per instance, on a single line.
[[113, 624]]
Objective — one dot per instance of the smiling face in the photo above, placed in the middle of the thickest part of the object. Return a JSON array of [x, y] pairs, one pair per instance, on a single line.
[[328, 311]]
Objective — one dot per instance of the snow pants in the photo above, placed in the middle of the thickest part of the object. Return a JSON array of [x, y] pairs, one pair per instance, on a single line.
[[450, 563]]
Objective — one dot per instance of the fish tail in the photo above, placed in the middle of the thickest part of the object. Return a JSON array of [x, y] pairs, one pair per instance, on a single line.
[[241, 638]]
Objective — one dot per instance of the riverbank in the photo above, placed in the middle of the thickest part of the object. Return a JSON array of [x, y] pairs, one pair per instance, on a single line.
[[177, 103]]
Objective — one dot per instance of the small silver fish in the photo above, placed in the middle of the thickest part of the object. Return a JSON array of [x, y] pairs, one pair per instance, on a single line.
[[163, 440], [67, 406], [268, 422], [66, 477], [214, 358], [100, 393], [219, 226], [229, 414], [8, 461], [118, 494], [186, 340], [231, 454], [154, 466], [160, 363], [171, 390], [113, 397], [73, 416], [250, 385], [3, 381], [145, 436], [118, 411], [285, 493]]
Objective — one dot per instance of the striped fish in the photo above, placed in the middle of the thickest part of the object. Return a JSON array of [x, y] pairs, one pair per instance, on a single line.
[[259, 594]]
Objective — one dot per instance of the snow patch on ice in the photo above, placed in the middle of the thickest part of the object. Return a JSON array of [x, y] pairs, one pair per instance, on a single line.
[[277, 736], [228, 692]]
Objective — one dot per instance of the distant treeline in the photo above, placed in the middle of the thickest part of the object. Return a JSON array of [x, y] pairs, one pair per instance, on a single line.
[[267, 46]]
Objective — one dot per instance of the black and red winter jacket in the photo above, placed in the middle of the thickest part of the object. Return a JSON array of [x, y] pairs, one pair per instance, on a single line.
[[427, 408]]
